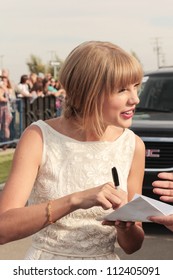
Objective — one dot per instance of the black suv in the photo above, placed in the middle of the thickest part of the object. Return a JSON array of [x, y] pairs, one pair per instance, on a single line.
[[153, 122]]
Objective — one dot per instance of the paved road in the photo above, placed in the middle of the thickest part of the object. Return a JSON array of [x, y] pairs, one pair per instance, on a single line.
[[14, 250], [158, 245]]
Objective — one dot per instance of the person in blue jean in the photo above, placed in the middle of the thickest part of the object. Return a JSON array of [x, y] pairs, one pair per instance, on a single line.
[[164, 188]]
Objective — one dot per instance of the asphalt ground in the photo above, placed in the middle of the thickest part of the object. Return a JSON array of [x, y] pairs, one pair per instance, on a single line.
[[15, 250]]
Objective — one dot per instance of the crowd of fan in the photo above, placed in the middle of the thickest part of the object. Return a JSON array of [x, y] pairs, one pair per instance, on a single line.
[[31, 86], [34, 86]]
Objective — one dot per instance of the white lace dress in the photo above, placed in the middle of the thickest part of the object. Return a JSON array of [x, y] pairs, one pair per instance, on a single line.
[[68, 166]]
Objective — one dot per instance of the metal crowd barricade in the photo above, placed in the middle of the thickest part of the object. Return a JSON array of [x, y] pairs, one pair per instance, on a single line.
[[24, 112], [16, 127]]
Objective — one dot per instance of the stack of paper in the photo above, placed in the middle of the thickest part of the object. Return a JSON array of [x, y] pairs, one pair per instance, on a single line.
[[138, 209]]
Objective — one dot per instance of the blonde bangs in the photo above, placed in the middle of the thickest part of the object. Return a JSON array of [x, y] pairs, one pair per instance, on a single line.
[[128, 71]]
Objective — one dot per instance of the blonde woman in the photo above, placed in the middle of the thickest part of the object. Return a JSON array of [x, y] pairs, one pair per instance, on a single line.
[[66, 172]]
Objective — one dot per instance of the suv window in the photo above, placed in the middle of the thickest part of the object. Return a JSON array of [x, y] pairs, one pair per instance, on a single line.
[[156, 93]]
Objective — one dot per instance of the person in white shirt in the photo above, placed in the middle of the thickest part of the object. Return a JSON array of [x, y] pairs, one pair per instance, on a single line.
[[23, 88]]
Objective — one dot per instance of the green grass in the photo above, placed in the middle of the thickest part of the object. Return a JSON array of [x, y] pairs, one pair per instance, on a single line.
[[5, 165]]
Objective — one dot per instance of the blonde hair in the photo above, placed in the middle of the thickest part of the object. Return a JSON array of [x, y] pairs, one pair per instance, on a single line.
[[92, 71]]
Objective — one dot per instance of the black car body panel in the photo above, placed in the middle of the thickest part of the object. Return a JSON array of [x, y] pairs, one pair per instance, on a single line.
[[154, 124]]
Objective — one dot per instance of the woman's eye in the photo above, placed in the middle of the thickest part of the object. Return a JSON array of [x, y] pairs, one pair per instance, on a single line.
[[121, 90], [137, 85]]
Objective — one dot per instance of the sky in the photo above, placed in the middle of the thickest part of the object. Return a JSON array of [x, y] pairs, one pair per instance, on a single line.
[[55, 27]]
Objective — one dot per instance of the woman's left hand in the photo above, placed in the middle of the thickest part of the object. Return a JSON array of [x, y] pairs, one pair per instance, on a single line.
[[120, 225]]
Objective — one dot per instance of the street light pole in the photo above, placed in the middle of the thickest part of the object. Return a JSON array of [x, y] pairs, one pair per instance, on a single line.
[[55, 65]]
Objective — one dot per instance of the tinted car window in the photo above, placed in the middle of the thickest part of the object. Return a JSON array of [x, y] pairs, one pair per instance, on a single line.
[[156, 93]]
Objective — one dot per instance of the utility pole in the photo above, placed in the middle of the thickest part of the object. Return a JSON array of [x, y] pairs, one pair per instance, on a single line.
[[157, 49]]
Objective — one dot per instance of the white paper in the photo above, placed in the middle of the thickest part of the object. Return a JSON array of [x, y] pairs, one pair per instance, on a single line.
[[138, 209]]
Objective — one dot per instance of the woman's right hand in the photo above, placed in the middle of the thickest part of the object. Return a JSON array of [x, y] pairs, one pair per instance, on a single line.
[[106, 196]]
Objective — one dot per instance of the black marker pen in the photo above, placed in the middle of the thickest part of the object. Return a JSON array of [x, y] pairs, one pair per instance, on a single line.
[[115, 177]]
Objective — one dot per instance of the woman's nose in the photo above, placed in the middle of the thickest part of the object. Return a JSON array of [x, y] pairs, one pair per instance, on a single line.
[[134, 99]]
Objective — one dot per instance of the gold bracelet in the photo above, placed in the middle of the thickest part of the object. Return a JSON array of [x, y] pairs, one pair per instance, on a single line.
[[49, 212]]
